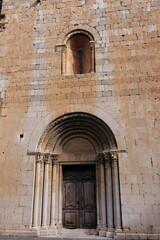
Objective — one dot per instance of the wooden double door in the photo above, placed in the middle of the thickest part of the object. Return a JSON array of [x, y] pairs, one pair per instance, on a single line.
[[79, 196]]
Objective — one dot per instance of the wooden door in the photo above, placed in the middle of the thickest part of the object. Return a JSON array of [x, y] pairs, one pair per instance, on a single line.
[[79, 196]]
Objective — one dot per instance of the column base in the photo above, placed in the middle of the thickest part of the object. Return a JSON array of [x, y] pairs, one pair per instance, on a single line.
[[110, 234], [35, 228], [99, 226], [118, 230], [59, 227], [43, 230], [102, 233], [52, 230]]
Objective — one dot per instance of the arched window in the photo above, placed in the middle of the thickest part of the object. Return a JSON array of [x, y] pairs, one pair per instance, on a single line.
[[78, 55], [0, 9]]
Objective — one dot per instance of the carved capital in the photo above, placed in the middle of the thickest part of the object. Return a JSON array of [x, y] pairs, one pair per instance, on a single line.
[[46, 157], [54, 158], [108, 158], [100, 158], [104, 157], [114, 157], [39, 158]]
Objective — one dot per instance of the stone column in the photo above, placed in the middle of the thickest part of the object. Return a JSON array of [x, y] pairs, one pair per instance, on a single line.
[[92, 47], [60, 198], [117, 204], [45, 190], [54, 159], [57, 190], [103, 229], [36, 203], [98, 197], [63, 59], [109, 194]]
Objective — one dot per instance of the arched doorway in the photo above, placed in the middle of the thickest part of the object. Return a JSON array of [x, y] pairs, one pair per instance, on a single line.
[[76, 176]]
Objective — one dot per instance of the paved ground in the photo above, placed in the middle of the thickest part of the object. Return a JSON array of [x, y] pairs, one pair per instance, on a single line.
[[67, 234], [54, 238]]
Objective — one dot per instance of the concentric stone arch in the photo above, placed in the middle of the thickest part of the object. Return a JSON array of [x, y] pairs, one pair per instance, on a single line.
[[81, 124], [33, 143]]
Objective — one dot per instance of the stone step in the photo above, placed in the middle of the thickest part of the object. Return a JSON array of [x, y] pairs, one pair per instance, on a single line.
[[3, 237], [60, 237], [55, 238], [52, 237], [71, 238]]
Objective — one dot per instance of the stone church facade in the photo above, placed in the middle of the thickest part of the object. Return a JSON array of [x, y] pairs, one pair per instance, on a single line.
[[79, 105]]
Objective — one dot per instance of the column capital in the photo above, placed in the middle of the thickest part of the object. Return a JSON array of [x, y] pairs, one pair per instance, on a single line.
[[114, 157], [100, 158], [39, 158], [92, 44], [107, 157], [104, 157], [46, 158], [54, 158], [63, 47]]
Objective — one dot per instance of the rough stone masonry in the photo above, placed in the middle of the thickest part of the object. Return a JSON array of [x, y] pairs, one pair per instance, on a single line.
[[122, 90]]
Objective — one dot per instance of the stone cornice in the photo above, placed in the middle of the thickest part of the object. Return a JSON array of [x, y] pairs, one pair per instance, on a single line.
[[45, 157]]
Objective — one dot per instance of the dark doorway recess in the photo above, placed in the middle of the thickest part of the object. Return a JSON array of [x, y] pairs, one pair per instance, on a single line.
[[79, 196]]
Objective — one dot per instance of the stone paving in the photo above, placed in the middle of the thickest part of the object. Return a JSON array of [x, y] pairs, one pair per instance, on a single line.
[[55, 238], [66, 234], [59, 237]]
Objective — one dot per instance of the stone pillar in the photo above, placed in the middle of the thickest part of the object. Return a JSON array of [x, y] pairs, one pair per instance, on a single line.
[[45, 191], [54, 160], [109, 194], [103, 229], [39, 162], [117, 203]]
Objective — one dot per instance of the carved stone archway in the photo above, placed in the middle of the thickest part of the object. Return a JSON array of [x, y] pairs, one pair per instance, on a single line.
[[76, 138]]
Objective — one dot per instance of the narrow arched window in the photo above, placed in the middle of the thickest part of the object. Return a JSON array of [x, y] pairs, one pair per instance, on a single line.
[[78, 55], [0, 7], [1, 15]]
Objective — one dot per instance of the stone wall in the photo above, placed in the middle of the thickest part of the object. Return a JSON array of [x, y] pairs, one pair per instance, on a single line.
[[125, 86]]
